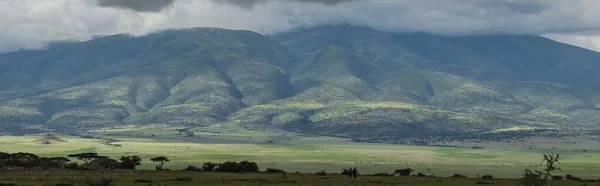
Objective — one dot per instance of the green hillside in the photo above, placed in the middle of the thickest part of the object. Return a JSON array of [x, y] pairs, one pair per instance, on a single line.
[[333, 80]]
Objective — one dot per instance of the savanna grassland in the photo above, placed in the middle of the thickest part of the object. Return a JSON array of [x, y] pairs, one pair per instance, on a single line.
[[294, 152]]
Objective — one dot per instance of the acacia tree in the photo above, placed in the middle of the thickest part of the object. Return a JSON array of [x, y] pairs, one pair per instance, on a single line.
[[130, 162], [85, 157], [161, 160]]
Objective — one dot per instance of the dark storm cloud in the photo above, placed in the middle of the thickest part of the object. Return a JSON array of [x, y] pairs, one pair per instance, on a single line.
[[137, 5]]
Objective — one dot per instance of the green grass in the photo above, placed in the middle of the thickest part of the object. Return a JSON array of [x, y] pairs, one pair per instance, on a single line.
[[295, 152]]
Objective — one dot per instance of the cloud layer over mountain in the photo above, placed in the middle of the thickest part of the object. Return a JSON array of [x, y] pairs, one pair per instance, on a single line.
[[30, 24]]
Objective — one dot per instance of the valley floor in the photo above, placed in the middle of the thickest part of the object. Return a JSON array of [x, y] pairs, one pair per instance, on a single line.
[[310, 154]]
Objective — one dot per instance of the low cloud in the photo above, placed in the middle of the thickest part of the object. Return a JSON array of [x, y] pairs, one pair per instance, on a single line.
[[31, 23], [252, 3], [137, 5]]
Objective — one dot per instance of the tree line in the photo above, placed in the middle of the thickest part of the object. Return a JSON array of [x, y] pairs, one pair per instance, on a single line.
[[94, 161]]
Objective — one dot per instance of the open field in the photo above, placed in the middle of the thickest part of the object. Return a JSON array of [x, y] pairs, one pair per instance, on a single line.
[[309, 154], [125, 178]]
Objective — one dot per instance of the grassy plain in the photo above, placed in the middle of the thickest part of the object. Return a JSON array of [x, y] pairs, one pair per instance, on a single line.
[[308, 154]]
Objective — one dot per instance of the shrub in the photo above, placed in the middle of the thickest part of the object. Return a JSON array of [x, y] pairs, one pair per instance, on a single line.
[[248, 166], [138, 180], [557, 178], [129, 162], [192, 168], [404, 172], [532, 179], [458, 176], [209, 166], [487, 177], [383, 174], [322, 173], [183, 179], [244, 166], [421, 175], [272, 170], [571, 177], [64, 184]]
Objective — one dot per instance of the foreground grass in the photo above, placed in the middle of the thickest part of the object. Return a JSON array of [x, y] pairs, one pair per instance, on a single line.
[[125, 178]]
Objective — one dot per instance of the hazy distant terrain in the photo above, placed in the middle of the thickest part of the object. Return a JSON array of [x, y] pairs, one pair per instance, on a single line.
[[332, 80]]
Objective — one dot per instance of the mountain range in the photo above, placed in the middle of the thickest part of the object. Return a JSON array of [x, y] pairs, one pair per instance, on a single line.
[[339, 80]]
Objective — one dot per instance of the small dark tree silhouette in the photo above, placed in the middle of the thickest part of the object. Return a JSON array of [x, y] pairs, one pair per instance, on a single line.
[[550, 160], [540, 178], [85, 157], [161, 160]]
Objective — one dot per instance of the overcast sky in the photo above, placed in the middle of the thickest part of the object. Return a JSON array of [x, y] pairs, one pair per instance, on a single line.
[[31, 23]]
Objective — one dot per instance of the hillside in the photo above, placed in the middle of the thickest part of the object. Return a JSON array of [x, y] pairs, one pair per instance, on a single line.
[[332, 80]]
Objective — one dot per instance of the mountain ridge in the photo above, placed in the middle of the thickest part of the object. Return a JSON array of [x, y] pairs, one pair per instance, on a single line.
[[330, 80]]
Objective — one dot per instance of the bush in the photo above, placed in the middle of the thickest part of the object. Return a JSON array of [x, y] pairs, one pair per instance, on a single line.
[[557, 178], [421, 175], [249, 166], [571, 177], [322, 173], [63, 184], [487, 177], [244, 166], [383, 174], [532, 179], [192, 168], [404, 172], [142, 181], [209, 166], [272, 170], [458, 176], [129, 162], [183, 179]]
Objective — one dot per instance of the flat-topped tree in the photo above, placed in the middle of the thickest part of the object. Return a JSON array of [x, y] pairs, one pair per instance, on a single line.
[[85, 157], [130, 162], [161, 160]]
